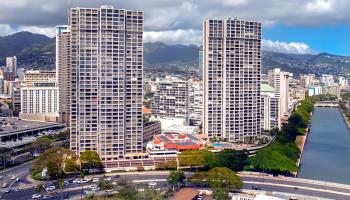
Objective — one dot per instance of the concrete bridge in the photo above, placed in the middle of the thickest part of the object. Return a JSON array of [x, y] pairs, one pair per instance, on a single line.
[[327, 104]]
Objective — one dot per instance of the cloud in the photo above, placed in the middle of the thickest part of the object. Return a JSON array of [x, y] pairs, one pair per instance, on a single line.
[[174, 37], [7, 29], [284, 47]]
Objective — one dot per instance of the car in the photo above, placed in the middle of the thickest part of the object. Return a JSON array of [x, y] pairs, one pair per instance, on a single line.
[[47, 197], [152, 184], [76, 180], [50, 188], [1, 177], [254, 187], [17, 179], [83, 181], [95, 180], [13, 177], [7, 190], [93, 186], [36, 196], [65, 183], [95, 189], [108, 179]]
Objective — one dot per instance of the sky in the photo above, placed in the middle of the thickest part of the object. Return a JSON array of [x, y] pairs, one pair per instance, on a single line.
[[289, 26]]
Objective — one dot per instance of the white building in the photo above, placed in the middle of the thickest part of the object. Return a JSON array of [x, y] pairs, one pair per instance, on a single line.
[[270, 115], [195, 102], [280, 81], [315, 90], [171, 98], [11, 67], [232, 68], [39, 103], [327, 79], [307, 80]]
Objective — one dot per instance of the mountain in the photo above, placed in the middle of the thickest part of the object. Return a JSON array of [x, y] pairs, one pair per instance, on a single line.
[[33, 50], [38, 52]]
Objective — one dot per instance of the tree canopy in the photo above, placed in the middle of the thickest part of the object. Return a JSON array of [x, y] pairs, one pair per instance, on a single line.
[[90, 160]]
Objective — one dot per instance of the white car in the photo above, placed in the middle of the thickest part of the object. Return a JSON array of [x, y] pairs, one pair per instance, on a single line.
[[95, 180], [83, 181], [152, 184], [1, 177], [50, 188], [36, 196], [13, 177], [76, 181], [93, 186], [95, 189], [108, 179]]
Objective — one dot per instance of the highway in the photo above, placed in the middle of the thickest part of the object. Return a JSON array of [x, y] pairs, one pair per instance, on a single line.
[[266, 183]]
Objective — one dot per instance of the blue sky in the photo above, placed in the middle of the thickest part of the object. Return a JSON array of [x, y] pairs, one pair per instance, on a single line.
[[330, 39]]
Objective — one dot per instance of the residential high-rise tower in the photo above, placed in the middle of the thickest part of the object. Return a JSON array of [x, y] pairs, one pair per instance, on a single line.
[[232, 63], [106, 82], [63, 72]]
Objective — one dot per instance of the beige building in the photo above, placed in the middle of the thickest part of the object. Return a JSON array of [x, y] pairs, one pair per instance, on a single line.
[[39, 76], [106, 82], [63, 73], [232, 65], [39, 102], [270, 115], [171, 98], [280, 81]]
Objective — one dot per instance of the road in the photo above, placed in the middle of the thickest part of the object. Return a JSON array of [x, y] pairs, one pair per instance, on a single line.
[[276, 184]]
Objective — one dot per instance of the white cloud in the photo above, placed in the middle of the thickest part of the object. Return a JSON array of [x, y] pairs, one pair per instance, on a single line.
[[235, 2], [284, 47], [6, 29], [180, 36]]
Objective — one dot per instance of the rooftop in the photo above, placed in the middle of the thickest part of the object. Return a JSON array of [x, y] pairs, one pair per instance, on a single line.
[[9, 126]]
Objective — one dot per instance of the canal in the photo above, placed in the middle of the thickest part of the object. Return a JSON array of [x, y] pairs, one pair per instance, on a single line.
[[326, 155]]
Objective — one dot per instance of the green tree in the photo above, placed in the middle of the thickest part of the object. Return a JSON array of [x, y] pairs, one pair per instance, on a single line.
[[176, 178], [222, 177], [198, 179], [232, 159], [53, 159], [70, 166], [195, 158], [127, 193], [221, 194], [150, 194], [41, 143], [105, 185], [90, 160], [5, 155], [39, 188]]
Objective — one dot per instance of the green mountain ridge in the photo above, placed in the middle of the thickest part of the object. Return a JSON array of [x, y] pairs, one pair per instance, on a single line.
[[37, 51]]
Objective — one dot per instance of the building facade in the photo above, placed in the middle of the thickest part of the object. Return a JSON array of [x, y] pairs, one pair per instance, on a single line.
[[270, 115], [39, 102], [106, 82], [39, 76], [195, 102], [280, 81], [232, 64], [63, 72], [11, 68], [171, 98]]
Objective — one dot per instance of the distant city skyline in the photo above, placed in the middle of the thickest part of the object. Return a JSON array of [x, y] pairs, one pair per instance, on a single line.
[[318, 26]]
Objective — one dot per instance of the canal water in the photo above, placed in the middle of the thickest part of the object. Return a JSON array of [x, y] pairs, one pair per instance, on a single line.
[[326, 155]]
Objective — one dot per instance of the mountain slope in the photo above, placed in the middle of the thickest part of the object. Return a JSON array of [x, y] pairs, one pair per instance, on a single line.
[[37, 51]]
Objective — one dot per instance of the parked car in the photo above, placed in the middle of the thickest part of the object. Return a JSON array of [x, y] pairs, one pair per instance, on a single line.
[[36, 196]]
